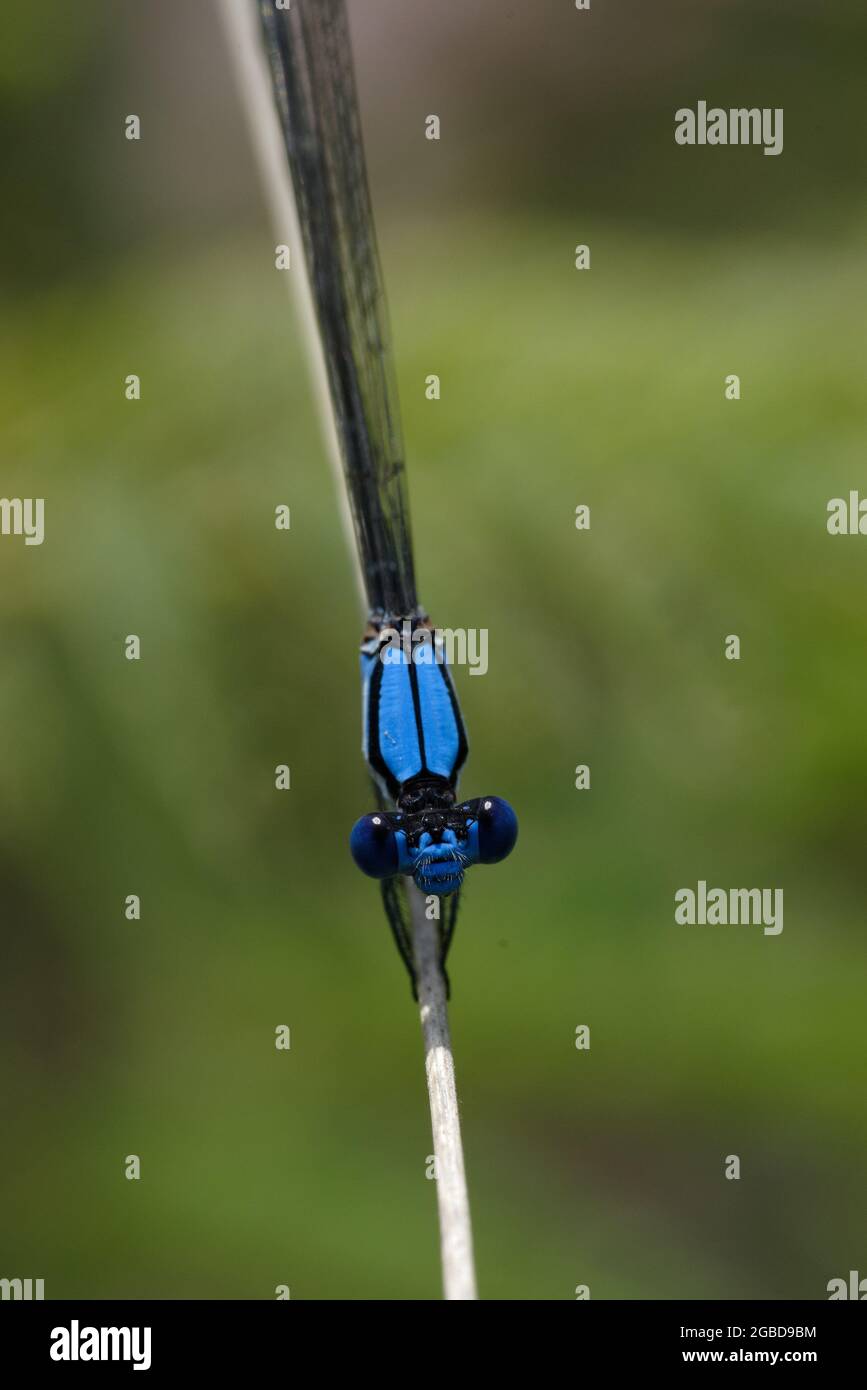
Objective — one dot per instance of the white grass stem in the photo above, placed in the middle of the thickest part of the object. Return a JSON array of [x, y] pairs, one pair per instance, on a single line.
[[456, 1236]]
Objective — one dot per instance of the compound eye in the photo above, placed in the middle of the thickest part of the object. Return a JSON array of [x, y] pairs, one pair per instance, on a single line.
[[373, 846], [498, 829]]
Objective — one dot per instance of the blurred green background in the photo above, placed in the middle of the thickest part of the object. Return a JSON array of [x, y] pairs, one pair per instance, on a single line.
[[606, 647]]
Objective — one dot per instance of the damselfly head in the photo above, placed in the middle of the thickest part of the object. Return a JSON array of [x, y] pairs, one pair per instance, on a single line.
[[434, 844]]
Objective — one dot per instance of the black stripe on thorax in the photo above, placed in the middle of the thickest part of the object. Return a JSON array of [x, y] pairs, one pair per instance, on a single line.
[[374, 749]]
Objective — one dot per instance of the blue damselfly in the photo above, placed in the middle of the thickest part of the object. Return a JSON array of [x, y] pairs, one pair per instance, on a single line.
[[414, 739]]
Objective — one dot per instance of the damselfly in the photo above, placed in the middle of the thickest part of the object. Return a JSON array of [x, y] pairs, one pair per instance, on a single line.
[[413, 733]]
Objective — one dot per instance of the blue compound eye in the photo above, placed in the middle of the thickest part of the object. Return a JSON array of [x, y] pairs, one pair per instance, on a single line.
[[374, 846], [498, 829]]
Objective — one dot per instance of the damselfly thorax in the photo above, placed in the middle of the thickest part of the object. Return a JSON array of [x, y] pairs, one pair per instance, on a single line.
[[413, 730], [415, 744]]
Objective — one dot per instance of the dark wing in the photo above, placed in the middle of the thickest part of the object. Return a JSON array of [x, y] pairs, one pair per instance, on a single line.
[[395, 900], [396, 903], [309, 53], [449, 909]]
